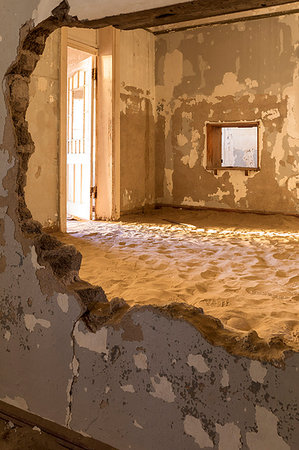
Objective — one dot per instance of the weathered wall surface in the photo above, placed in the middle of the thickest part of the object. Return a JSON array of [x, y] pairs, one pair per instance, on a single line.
[[137, 94], [139, 378], [162, 386], [244, 71], [42, 194]]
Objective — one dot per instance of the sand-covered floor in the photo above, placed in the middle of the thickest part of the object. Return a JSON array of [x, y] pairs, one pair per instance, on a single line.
[[240, 268]]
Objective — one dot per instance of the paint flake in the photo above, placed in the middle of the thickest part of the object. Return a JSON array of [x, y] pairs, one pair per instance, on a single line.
[[198, 362], [31, 321], [257, 371], [194, 428], [163, 389], [63, 302]]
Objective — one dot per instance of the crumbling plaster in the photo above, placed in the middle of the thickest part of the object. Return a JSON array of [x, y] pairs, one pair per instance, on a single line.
[[135, 378], [243, 71]]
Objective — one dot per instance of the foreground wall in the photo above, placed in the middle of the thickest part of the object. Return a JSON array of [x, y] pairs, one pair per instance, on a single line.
[[43, 116], [138, 378], [244, 71]]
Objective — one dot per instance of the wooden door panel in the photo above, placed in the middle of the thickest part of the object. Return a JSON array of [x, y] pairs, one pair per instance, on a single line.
[[79, 139]]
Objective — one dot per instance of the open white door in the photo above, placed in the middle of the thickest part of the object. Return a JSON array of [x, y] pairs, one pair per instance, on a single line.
[[80, 132]]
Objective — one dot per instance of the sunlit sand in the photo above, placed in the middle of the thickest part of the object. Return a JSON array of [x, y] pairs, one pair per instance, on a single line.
[[240, 268]]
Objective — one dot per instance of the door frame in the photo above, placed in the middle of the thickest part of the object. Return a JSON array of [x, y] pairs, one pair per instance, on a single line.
[[110, 179], [65, 43]]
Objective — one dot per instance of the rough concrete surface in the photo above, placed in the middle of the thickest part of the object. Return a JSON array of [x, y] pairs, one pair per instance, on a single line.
[[144, 378]]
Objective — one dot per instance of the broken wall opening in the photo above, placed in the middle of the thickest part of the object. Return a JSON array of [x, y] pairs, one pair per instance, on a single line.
[[64, 259], [256, 407]]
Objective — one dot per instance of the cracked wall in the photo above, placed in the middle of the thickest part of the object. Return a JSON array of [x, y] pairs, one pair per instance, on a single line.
[[244, 71], [139, 377]]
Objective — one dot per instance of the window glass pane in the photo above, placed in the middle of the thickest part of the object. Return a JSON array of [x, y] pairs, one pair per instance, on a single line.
[[239, 147]]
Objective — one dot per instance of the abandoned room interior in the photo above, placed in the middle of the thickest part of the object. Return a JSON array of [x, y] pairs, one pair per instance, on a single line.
[[149, 225]]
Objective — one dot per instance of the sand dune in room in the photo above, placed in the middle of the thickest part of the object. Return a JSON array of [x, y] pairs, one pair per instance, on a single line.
[[240, 268]]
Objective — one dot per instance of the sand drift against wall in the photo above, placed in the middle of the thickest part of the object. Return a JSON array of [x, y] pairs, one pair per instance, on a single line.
[[240, 268]]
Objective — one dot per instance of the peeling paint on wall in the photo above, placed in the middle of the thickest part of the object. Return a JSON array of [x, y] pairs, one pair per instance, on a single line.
[[243, 86]]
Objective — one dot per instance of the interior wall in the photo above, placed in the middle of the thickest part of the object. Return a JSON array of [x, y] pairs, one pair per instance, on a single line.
[[43, 116], [244, 71], [137, 109], [139, 378], [107, 161]]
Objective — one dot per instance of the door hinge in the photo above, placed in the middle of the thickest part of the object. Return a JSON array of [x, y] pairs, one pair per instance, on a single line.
[[93, 192], [94, 73]]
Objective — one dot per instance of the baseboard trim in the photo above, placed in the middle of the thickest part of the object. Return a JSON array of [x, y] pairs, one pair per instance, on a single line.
[[241, 211], [68, 438]]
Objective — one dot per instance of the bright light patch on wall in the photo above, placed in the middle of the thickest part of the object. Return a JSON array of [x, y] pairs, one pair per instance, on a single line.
[[107, 67]]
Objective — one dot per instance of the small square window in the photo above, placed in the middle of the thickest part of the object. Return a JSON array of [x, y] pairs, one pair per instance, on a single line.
[[232, 145]]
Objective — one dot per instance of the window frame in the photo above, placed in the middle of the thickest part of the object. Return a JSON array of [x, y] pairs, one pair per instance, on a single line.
[[213, 144]]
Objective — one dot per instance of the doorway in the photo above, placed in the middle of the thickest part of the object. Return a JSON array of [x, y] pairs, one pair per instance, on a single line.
[[89, 168], [81, 142]]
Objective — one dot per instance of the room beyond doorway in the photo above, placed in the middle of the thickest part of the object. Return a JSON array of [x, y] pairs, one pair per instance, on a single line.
[[80, 132]]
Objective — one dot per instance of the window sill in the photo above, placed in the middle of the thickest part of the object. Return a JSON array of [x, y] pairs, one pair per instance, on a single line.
[[252, 169], [246, 170]]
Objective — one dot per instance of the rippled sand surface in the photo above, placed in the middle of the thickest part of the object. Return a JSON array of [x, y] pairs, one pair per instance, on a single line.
[[240, 268]]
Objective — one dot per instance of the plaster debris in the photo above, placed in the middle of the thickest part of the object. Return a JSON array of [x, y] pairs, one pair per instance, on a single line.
[[182, 140], [137, 425], [128, 388], [190, 159], [18, 402], [42, 84], [266, 436], [220, 194], [198, 362], [194, 428], [75, 366], [31, 321], [35, 428], [6, 163], [229, 436], [163, 389], [257, 371], [140, 360], [43, 10], [188, 201], [271, 114], [95, 342], [239, 183], [63, 302], [173, 70], [169, 182], [225, 378], [7, 335], [34, 259], [230, 86]]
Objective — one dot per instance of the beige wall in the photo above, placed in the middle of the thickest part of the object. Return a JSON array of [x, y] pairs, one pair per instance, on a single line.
[[185, 78], [41, 192], [229, 72], [137, 106]]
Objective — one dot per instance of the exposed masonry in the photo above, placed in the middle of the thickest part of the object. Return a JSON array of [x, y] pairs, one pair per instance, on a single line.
[[65, 260], [209, 394]]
